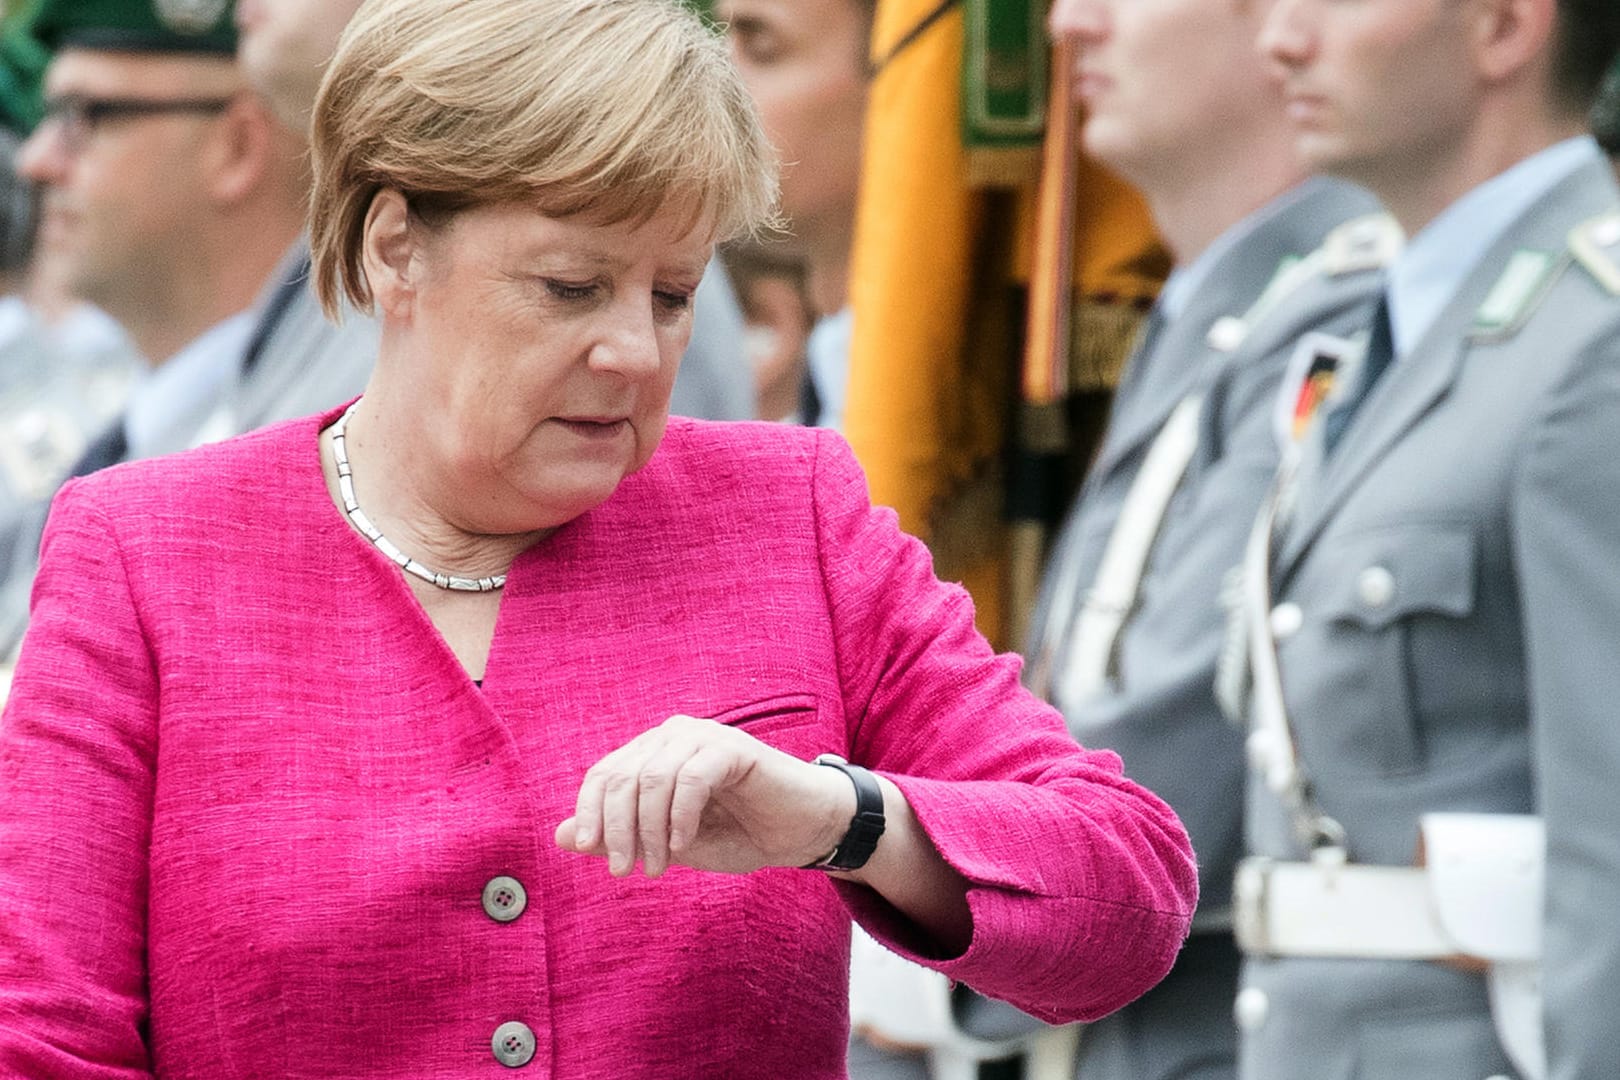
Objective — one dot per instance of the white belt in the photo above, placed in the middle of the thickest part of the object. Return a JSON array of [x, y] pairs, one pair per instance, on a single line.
[[1480, 895], [1311, 909]]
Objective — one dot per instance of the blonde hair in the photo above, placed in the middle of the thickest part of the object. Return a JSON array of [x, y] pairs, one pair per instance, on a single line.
[[611, 108]]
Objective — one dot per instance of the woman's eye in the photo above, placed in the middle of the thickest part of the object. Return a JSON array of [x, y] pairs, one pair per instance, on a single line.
[[673, 301], [567, 290]]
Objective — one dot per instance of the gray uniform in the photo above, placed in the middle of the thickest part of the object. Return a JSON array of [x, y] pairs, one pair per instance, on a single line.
[[1159, 711], [56, 395], [1452, 579]]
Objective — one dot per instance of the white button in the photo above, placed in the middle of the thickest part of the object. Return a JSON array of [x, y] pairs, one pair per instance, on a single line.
[[1251, 1008], [1226, 334], [1286, 619], [1260, 749], [1375, 586], [504, 899], [513, 1044]]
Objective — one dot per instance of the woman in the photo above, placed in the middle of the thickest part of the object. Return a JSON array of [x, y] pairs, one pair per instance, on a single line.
[[321, 736]]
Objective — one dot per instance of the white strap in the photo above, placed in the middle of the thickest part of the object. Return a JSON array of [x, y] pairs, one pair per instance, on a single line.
[[1089, 659], [1271, 744]]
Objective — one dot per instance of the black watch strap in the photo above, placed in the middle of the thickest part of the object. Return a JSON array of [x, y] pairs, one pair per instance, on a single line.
[[864, 828]]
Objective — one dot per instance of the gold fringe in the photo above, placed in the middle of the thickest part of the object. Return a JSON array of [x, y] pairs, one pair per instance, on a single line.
[[1100, 339], [1003, 167]]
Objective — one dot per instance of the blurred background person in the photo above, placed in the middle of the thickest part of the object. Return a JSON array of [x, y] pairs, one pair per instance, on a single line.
[[1130, 623], [169, 194], [777, 322], [805, 63]]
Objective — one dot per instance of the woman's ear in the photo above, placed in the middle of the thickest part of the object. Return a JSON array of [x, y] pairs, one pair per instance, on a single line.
[[388, 252]]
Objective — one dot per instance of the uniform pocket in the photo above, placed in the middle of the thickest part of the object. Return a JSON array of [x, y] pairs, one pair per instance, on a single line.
[[1393, 612]]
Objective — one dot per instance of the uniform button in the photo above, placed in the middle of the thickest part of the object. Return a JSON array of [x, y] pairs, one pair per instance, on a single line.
[[1375, 586], [1286, 619], [1250, 1008], [513, 1044], [504, 899]]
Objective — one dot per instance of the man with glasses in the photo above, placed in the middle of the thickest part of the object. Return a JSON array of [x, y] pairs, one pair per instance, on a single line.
[[169, 196]]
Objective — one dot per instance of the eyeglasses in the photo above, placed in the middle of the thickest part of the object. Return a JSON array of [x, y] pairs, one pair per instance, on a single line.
[[78, 117]]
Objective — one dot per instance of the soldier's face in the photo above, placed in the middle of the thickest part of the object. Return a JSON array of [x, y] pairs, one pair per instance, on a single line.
[[284, 47], [1164, 82], [1375, 90], [804, 63], [118, 194]]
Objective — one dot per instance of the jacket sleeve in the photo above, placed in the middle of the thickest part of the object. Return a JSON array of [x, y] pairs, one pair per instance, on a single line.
[[77, 753], [1566, 540], [1082, 884]]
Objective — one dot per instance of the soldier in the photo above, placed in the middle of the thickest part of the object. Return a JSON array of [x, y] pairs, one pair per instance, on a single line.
[[168, 196], [1431, 595], [1129, 624]]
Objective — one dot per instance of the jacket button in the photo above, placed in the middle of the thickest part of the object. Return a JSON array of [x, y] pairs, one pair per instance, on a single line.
[[513, 1044], [1286, 619], [504, 899], [1375, 587], [1250, 1008]]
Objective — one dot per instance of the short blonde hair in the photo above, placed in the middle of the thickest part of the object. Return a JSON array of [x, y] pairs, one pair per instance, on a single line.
[[615, 108]]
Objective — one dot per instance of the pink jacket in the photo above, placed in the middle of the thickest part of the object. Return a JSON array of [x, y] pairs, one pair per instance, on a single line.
[[249, 802]]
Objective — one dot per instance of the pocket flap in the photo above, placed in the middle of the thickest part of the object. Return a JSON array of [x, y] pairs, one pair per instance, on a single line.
[[1404, 570]]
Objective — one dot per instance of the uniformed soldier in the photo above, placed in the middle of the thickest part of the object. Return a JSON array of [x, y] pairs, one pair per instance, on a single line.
[[1431, 600], [169, 195], [1129, 625]]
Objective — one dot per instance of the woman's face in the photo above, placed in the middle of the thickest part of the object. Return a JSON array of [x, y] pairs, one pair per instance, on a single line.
[[536, 357]]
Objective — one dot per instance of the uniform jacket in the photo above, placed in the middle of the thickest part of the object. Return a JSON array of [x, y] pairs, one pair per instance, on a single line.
[[305, 363], [274, 796], [1160, 713], [1454, 563]]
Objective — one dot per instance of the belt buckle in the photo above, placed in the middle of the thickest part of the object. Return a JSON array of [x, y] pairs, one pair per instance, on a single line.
[[1251, 905]]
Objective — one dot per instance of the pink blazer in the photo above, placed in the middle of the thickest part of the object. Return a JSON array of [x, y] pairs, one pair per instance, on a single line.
[[249, 803]]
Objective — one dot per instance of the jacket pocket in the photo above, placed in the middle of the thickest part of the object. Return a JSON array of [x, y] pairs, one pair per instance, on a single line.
[[790, 722], [1394, 612]]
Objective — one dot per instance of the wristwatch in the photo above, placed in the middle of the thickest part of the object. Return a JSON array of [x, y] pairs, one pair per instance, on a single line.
[[864, 828]]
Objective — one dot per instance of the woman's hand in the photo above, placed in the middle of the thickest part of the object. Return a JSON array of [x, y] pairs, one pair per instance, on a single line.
[[705, 795]]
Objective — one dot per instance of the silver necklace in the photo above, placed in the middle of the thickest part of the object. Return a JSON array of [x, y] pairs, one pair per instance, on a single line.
[[351, 506]]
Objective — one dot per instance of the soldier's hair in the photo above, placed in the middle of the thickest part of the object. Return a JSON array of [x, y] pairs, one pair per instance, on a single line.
[[1587, 42], [613, 109]]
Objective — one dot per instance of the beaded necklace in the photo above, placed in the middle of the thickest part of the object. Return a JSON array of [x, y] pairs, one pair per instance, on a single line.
[[351, 506]]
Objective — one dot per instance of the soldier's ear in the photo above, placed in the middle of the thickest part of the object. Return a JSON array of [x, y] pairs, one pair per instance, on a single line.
[[1510, 38], [389, 253], [238, 158]]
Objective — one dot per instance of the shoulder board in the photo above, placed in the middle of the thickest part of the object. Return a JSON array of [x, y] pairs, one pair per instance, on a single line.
[[1228, 333], [1526, 279], [1596, 246], [1370, 242]]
